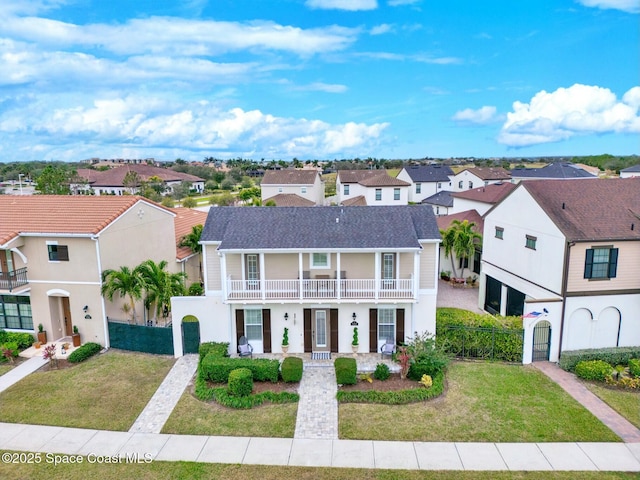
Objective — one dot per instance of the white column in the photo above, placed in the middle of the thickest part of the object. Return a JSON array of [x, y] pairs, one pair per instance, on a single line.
[[416, 274], [338, 276], [300, 275], [377, 274], [262, 272], [503, 301], [223, 273]]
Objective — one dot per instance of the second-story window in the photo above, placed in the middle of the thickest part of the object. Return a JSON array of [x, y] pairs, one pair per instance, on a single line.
[[320, 260], [470, 184], [58, 253], [418, 187], [601, 263], [345, 189], [303, 189], [499, 233], [396, 194], [530, 242], [460, 185], [378, 194]]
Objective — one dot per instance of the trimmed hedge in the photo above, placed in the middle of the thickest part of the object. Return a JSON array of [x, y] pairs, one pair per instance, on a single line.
[[613, 356], [24, 340], [219, 349], [346, 371], [634, 367], [399, 397], [85, 351], [594, 370], [467, 334], [291, 369], [217, 369], [240, 382], [381, 372]]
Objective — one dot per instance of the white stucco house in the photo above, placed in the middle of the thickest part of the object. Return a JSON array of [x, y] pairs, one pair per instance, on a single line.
[[566, 256], [370, 187], [474, 177], [629, 172], [291, 187], [426, 180], [320, 272]]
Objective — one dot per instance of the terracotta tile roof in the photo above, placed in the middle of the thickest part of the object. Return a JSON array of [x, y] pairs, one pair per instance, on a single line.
[[59, 214], [289, 176], [492, 193], [444, 221], [358, 201], [114, 177], [489, 173], [370, 178], [289, 200], [185, 220], [591, 210]]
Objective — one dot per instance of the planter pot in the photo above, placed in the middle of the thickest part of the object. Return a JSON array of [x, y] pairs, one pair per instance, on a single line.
[[354, 348], [285, 349], [36, 344], [76, 339], [42, 337]]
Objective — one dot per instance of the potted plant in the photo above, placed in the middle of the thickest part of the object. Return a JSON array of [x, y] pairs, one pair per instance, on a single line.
[[285, 341], [445, 275], [36, 344], [354, 342], [75, 337], [42, 335]]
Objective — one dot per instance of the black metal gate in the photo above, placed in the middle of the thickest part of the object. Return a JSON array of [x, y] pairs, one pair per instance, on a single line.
[[190, 337], [541, 341]]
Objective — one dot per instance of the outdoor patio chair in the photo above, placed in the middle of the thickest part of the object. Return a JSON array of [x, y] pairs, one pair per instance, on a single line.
[[389, 348], [244, 347]]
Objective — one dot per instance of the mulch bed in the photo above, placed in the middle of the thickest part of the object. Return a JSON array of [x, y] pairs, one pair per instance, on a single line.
[[392, 384], [61, 365]]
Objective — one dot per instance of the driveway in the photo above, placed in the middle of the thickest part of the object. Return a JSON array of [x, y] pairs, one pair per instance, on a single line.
[[457, 297]]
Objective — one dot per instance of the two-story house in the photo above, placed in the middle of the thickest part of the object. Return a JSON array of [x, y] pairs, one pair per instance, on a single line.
[[53, 250], [370, 187], [318, 271], [566, 256], [426, 180], [475, 177], [552, 171], [292, 187], [480, 199]]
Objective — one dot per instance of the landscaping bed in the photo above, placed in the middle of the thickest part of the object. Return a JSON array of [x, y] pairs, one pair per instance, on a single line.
[[393, 384]]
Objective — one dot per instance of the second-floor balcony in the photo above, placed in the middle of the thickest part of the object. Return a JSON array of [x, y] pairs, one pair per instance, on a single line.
[[12, 280], [321, 289]]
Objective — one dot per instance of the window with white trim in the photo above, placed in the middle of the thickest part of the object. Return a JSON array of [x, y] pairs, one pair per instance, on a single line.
[[320, 260], [378, 194], [418, 188], [345, 189], [386, 324], [303, 189], [253, 325], [396, 194]]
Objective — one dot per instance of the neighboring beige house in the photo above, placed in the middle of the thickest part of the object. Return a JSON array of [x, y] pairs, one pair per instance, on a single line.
[[566, 256], [318, 271], [281, 185], [112, 181], [474, 177], [53, 250], [370, 187]]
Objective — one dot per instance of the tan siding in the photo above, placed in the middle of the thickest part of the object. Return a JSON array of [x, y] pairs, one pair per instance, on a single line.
[[406, 264], [234, 266], [214, 269], [281, 266], [358, 265], [627, 275], [428, 265]]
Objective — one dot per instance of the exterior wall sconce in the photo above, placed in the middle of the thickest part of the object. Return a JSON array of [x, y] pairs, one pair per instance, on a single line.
[[286, 317], [354, 322], [85, 309]]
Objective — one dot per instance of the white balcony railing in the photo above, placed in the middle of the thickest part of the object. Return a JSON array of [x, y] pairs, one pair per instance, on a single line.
[[318, 289]]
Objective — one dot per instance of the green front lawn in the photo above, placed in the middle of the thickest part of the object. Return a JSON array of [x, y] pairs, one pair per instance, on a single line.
[[625, 402], [106, 392], [4, 368], [198, 471], [483, 402], [191, 416]]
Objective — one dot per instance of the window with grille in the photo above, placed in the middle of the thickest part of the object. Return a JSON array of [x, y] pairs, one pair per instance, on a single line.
[[601, 263], [386, 324], [253, 325]]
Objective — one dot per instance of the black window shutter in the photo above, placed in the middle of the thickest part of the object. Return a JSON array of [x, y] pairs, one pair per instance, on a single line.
[[239, 323], [333, 327], [266, 330], [588, 263], [307, 330], [400, 325], [373, 330], [613, 262]]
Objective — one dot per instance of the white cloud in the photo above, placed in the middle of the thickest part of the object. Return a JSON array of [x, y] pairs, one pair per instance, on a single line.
[[567, 112], [631, 6], [145, 124], [397, 3], [380, 29], [324, 87], [482, 116], [352, 5]]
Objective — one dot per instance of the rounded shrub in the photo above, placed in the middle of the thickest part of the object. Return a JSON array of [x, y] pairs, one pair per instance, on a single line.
[[346, 371], [381, 372], [85, 351], [240, 382], [291, 369], [598, 370]]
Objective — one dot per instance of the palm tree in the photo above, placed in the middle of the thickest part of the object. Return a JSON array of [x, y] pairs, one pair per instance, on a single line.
[[124, 282], [460, 240], [192, 240], [160, 286]]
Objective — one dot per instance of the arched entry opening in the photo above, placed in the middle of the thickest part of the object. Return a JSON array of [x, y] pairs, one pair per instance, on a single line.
[[190, 334], [541, 342]]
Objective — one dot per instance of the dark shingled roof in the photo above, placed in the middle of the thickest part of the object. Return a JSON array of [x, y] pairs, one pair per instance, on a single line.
[[429, 173], [602, 210], [632, 169], [260, 228], [553, 170], [443, 198]]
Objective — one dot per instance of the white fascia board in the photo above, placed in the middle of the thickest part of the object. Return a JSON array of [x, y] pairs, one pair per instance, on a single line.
[[320, 250]]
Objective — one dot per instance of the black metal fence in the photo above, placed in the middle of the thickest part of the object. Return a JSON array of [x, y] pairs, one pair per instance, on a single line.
[[489, 343]]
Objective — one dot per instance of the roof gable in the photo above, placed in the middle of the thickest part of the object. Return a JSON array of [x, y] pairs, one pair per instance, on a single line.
[[306, 228]]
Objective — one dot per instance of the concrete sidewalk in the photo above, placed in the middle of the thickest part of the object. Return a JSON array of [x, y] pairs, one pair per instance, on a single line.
[[323, 453]]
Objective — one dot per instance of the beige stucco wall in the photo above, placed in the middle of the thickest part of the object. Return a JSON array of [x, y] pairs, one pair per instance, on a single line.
[[627, 275], [81, 267]]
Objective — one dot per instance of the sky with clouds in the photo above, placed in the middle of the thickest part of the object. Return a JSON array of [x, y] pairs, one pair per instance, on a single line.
[[318, 79]]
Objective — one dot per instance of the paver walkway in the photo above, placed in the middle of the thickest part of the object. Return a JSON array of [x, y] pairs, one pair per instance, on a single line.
[[612, 419], [18, 373], [318, 408], [159, 408]]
